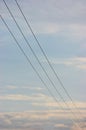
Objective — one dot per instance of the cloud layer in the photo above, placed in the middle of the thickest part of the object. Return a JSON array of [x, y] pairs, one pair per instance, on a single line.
[[37, 120]]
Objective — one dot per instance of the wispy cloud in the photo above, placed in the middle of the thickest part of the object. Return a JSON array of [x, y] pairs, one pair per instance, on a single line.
[[40, 99], [78, 62], [53, 104], [20, 97], [45, 20], [11, 87], [24, 87], [61, 126]]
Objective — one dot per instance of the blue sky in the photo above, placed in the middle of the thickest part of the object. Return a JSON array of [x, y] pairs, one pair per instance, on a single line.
[[60, 27]]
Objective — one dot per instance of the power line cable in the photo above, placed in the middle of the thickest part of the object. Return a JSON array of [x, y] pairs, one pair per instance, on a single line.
[[55, 73], [27, 58], [38, 60]]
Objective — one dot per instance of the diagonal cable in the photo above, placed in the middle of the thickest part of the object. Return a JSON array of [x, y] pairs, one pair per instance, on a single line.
[[62, 85], [38, 60], [28, 60]]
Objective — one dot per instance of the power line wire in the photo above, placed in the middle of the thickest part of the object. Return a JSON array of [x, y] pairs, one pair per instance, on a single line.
[[62, 85], [27, 58], [38, 60]]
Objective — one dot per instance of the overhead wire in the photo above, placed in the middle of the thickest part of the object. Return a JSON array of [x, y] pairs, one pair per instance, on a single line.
[[28, 60], [42, 50], [38, 60]]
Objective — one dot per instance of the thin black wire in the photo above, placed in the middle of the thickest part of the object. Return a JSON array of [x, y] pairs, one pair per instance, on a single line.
[[38, 60], [67, 93], [46, 58], [76, 117], [27, 58]]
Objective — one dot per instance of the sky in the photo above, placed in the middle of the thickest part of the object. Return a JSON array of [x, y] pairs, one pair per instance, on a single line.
[[25, 103]]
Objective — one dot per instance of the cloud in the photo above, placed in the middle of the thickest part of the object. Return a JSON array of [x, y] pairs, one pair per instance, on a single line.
[[53, 104], [82, 126], [81, 109], [74, 31], [32, 88], [78, 62], [40, 99], [20, 97], [43, 101], [66, 11], [61, 126], [14, 97], [45, 20], [24, 87], [78, 30], [46, 102], [11, 87], [36, 119], [46, 28]]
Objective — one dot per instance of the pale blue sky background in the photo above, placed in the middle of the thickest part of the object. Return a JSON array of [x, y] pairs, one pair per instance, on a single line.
[[60, 27]]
